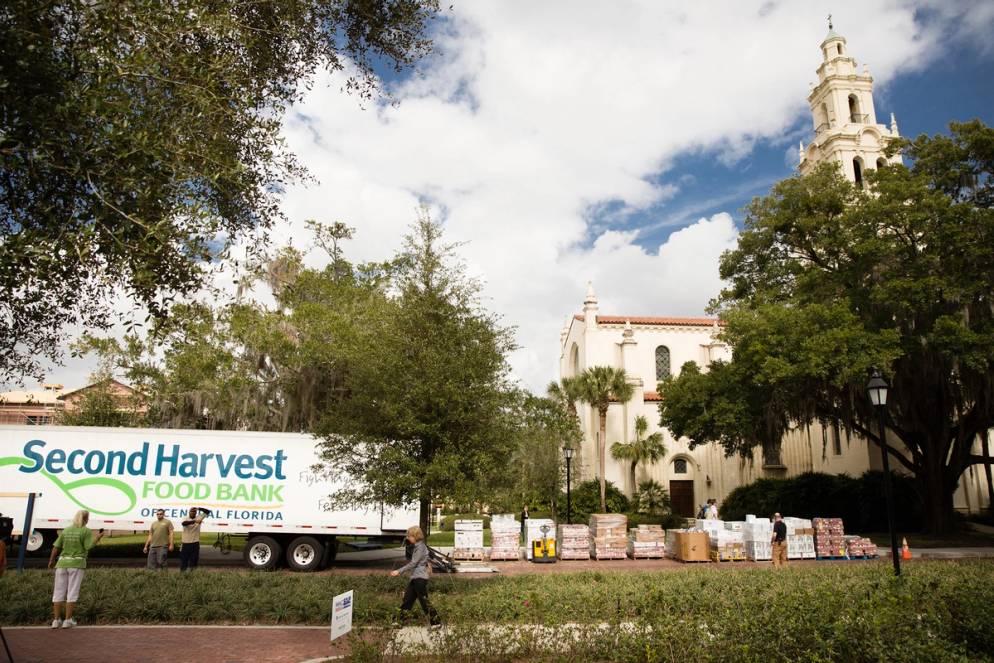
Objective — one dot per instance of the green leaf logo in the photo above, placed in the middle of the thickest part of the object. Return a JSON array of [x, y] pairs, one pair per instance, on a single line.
[[69, 487]]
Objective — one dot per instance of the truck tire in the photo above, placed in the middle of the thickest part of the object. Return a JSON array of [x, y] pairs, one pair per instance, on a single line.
[[262, 553], [304, 554], [40, 541]]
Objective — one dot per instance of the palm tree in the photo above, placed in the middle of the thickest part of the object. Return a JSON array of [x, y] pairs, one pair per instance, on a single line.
[[566, 393], [598, 386], [642, 449]]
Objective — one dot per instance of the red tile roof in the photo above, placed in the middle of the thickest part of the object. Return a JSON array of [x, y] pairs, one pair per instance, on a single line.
[[649, 320], [647, 396]]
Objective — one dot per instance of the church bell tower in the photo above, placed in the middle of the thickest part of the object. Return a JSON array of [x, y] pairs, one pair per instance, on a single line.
[[845, 122]]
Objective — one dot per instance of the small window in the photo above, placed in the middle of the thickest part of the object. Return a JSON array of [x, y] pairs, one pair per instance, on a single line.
[[836, 439], [680, 466], [857, 171], [839, 49], [662, 362]]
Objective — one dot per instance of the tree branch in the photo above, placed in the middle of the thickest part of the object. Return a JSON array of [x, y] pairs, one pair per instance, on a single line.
[[912, 467]]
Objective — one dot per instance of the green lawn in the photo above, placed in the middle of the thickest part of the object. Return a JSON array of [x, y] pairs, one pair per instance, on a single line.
[[842, 611]]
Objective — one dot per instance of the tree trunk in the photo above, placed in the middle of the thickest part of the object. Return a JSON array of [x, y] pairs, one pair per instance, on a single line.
[[634, 484], [937, 496], [601, 451], [425, 515]]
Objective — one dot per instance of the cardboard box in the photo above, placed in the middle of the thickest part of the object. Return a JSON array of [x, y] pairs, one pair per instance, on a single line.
[[691, 546]]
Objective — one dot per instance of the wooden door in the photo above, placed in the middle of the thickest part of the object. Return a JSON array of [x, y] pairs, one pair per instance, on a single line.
[[682, 496]]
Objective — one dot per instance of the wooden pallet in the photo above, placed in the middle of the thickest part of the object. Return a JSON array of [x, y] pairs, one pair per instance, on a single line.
[[574, 556], [609, 555], [505, 555], [635, 554], [468, 555]]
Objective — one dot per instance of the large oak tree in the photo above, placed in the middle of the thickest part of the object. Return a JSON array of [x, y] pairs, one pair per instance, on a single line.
[[829, 280]]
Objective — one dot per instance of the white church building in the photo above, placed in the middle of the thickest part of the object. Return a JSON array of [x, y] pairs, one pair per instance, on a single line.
[[649, 348]]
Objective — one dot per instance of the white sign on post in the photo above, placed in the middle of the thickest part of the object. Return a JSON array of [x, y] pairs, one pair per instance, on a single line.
[[341, 614]]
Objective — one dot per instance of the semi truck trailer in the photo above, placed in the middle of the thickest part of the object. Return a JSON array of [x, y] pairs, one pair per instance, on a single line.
[[268, 487]]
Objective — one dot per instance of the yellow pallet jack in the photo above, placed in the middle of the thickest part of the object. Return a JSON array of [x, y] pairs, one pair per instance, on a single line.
[[544, 549]]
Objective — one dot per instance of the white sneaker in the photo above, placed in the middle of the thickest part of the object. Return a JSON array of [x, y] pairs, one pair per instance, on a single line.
[[56, 623], [69, 623]]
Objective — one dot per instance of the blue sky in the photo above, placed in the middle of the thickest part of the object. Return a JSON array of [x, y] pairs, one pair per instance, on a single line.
[[610, 142]]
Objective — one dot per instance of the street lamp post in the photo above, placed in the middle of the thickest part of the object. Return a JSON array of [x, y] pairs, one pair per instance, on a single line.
[[568, 452], [877, 389]]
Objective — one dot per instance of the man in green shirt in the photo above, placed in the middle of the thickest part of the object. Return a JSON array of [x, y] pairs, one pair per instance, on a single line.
[[72, 547], [159, 541]]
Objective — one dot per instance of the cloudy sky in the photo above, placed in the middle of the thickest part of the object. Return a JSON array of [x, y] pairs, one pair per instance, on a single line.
[[613, 142]]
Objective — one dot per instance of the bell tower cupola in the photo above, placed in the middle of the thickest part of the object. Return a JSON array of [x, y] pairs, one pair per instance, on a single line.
[[844, 119]]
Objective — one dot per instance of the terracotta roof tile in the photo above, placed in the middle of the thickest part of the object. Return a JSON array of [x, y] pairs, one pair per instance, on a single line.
[[651, 320]]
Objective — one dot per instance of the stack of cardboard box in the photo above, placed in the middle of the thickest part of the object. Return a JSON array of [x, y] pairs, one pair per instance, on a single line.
[[505, 537], [858, 546], [468, 540], [757, 535], [800, 538], [726, 545], [607, 536], [573, 542], [829, 537], [647, 542]]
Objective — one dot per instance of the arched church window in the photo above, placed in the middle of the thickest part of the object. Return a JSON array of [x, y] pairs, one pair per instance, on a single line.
[[662, 362], [881, 162], [574, 360], [680, 466], [857, 171], [839, 48], [854, 114]]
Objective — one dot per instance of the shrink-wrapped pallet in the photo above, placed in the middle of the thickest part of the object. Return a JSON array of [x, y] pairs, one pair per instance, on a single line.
[[573, 541], [608, 536], [505, 537]]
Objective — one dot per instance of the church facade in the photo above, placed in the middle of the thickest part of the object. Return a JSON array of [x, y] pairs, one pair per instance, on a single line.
[[650, 348]]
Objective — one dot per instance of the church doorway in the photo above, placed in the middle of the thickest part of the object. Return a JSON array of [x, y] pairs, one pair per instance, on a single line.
[[682, 497]]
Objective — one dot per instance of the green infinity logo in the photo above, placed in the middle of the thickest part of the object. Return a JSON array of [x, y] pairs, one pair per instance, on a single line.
[[69, 487]]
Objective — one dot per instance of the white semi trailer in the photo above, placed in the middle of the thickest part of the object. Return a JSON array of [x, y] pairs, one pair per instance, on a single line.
[[260, 485]]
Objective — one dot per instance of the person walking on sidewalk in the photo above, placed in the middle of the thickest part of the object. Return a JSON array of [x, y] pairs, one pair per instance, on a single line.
[[72, 547], [779, 541], [417, 588], [189, 552], [159, 542]]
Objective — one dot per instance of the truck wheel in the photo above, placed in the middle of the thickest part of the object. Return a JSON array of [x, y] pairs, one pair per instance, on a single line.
[[304, 554], [40, 541], [262, 553]]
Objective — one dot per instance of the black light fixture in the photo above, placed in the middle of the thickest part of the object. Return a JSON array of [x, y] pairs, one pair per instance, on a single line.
[[568, 453], [877, 389]]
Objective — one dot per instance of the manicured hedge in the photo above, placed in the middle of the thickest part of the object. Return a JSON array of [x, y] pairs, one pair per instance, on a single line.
[[859, 502], [832, 611]]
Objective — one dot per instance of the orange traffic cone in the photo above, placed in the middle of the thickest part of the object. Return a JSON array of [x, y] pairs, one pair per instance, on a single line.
[[905, 550]]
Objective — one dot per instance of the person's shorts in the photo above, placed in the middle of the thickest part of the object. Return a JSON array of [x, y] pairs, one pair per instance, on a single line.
[[67, 583]]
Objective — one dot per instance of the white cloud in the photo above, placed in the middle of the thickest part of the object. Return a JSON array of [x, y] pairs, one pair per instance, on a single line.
[[534, 114]]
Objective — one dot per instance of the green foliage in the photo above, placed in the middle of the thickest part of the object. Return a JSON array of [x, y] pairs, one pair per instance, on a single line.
[[642, 449], [598, 386], [651, 498], [449, 522], [829, 280], [586, 500], [139, 139], [937, 611], [100, 406], [859, 502], [430, 409]]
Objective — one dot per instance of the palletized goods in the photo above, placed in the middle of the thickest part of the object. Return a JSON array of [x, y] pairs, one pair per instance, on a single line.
[[468, 542], [505, 537], [709, 526], [534, 532], [757, 534], [829, 537], [858, 546], [608, 538], [573, 541], [800, 546], [688, 545], [726, 545], [647, 542]]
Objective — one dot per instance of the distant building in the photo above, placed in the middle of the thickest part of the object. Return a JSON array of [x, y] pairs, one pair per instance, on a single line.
[[43, 406], [31, 408]]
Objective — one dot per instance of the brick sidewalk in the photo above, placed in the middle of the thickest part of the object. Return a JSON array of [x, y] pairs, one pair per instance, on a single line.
[[223, 644]]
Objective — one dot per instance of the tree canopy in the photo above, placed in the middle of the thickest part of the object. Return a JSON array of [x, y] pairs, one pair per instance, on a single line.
[[829, 280], [140, 139]]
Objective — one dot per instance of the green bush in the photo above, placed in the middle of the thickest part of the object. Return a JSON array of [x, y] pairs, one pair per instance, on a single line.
[[449, 522], [852, 611], [586, 499], [859, 502]]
